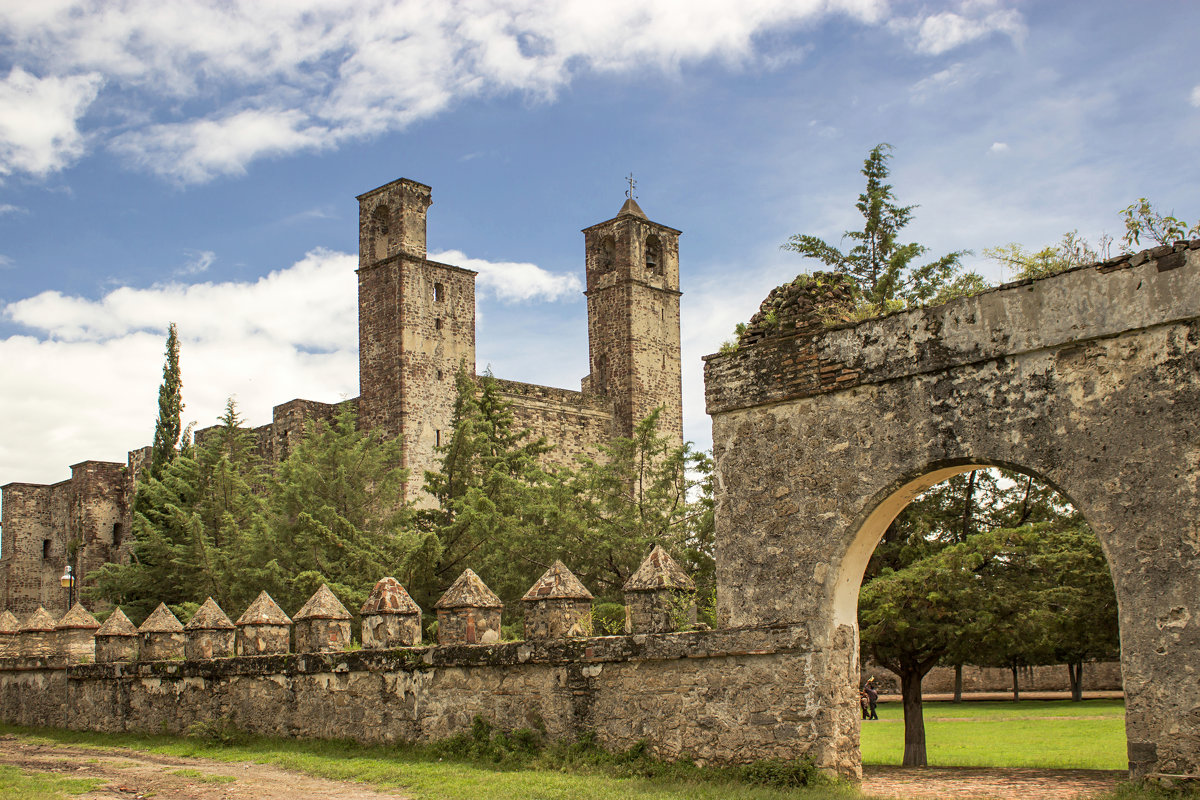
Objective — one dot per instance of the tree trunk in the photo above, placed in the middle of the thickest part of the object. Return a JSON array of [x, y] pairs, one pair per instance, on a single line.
[[1075, 671], [968, 507], [1016, 685], [914, 719], [958, 683]]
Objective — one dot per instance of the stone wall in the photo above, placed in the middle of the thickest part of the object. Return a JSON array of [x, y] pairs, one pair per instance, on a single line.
[[1089, 380], [574, 422], [1103, 676], [722, 696]]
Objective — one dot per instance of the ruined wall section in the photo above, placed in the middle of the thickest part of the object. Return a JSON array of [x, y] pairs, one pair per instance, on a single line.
[[574, 423], [1101, 300], [81, 521]]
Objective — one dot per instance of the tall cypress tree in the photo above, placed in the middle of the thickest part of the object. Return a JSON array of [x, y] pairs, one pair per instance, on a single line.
[[170, 409]]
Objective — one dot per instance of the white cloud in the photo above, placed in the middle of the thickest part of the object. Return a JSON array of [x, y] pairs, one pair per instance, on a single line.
[[195, 152], [198, 265], [1196, 97], [247, 80], [955, 76], [998, 147], [83, 384], [38, 116], [7, 208], [938, 33], [513, 282], [5, 262]]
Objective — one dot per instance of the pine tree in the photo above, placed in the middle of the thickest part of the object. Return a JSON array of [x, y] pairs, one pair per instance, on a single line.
[[170, 408], [338, 517], [881, 267]]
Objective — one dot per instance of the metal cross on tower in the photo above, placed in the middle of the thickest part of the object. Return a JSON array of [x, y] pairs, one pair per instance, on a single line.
[[632, 185]]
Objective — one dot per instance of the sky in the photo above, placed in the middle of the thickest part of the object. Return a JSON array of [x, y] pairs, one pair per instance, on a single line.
[[197, 162]]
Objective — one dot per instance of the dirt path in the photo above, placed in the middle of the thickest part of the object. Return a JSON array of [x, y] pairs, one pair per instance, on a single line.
[[130, 775], [134, 774], [1001, 784]]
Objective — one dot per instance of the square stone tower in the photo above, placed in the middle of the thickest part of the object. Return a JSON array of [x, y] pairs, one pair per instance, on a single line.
[[633, 319], [416, 325]]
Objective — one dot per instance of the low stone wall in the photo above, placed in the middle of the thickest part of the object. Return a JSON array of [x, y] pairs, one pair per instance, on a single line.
[[719, 696], [1105, 676]]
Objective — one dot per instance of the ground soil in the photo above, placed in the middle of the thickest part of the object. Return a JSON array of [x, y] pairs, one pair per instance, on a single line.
[[130, 774], [974, 782], [134, 774]]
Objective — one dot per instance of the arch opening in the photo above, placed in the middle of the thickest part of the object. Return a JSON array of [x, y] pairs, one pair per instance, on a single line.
[[985, 566]]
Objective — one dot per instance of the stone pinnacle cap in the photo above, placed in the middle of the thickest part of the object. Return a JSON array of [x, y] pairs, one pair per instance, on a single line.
[[558, 582], [658, 571], [117, 624], [323, 605], [389, 597], [264, 611], [9, 622], [39, 620], [161, 621], [209, 617], [77, 618], [469, 592]]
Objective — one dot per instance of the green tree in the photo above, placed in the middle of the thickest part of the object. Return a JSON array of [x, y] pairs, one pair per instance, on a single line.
[[883, 268], [192, 526], [1072, 251], [170, 408], [492, 496], [338, 517], [1141, 219], [641, 491]]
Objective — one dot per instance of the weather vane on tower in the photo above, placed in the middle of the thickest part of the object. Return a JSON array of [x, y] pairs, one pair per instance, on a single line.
[[632, 185]]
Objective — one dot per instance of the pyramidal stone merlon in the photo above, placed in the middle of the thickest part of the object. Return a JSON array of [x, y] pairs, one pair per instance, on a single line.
[[469, 612], [209, 633], [557, 606], [77, 635], [78, 618], [37, 637], [116, 639], [659, 596], [263, 629], [161, 636], [210, 617], [390, 618], [323, 624], [10, 627]]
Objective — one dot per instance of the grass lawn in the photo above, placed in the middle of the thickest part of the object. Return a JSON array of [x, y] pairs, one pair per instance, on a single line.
[[17, 784], [1032, 733]]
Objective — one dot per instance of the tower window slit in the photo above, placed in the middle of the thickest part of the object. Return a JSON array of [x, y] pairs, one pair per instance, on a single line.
[[437, 324], [439, 292]]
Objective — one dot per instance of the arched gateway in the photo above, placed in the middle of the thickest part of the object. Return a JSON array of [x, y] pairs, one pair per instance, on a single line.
[[1089, 379]]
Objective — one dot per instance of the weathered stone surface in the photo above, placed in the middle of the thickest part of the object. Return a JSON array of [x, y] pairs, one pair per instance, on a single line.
[[557, 605], [390, 618], [160, 637], [77, 635], [1088, 379], [726, 696], [469, 612], [263, 629], [323, 624], [116, 639], [10, 627], [209, 633], [659, 596], [37, 635]]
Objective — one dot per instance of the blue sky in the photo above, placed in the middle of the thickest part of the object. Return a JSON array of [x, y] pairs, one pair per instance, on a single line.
[[198, 162]]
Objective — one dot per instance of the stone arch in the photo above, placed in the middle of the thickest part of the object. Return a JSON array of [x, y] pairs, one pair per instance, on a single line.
[[654, 255], [1089, 379]]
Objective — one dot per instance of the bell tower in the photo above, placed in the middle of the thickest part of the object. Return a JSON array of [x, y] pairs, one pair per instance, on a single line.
[[416, 326], [633, 318]]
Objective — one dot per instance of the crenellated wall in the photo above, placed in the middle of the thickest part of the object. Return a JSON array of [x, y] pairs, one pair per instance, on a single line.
[[734, 695]]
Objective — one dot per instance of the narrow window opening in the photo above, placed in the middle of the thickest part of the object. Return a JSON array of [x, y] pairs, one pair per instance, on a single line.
[[439, 374], [437, 438], [45, 549], [439, 292], [653, 255], [437, 324], [116, 537]]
